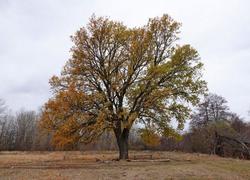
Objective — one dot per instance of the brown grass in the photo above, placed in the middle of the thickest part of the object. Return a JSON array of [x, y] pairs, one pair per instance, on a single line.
[[83, 165]]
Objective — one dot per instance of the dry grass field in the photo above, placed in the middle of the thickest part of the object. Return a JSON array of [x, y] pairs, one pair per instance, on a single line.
[[99, 165]]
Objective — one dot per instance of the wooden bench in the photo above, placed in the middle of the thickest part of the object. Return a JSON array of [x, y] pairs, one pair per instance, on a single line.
[[143, 156]]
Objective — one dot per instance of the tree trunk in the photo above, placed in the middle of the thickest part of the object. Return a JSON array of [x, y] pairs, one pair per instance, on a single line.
[[122, 142]]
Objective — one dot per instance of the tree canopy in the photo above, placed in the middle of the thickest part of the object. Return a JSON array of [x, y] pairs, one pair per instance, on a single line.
[[213, 108], [118, 76]]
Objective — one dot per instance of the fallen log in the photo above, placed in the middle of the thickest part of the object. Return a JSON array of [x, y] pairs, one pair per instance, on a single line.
[[236, 145]]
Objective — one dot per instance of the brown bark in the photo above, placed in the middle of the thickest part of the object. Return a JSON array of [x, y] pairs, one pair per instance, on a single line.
[[122, 142]]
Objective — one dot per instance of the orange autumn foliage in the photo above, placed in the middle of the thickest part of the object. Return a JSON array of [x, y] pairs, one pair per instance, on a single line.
[[65, 115]]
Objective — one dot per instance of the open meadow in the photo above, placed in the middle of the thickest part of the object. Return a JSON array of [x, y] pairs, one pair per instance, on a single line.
[[101, 165]]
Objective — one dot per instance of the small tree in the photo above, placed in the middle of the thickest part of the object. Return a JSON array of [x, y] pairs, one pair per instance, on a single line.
[[118, 76], [149, 137]]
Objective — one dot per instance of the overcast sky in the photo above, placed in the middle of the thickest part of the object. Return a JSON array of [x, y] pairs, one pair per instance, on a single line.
[[35, 43]]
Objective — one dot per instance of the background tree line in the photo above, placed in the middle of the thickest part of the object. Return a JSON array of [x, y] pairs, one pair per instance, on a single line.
[[214, 129], [21, 131]]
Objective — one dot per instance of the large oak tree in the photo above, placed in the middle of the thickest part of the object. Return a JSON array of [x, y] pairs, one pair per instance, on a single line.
[[118, 76]]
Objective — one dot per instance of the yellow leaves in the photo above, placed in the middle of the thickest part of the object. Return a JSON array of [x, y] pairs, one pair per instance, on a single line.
[[184, 54], [170, 132], [149, 137], [161, 23]]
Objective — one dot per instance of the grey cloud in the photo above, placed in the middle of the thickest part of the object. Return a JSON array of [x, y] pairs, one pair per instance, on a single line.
[[35, 43]]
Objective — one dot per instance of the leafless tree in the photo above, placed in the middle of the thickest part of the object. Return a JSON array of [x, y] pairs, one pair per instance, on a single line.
[[26, 125]]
